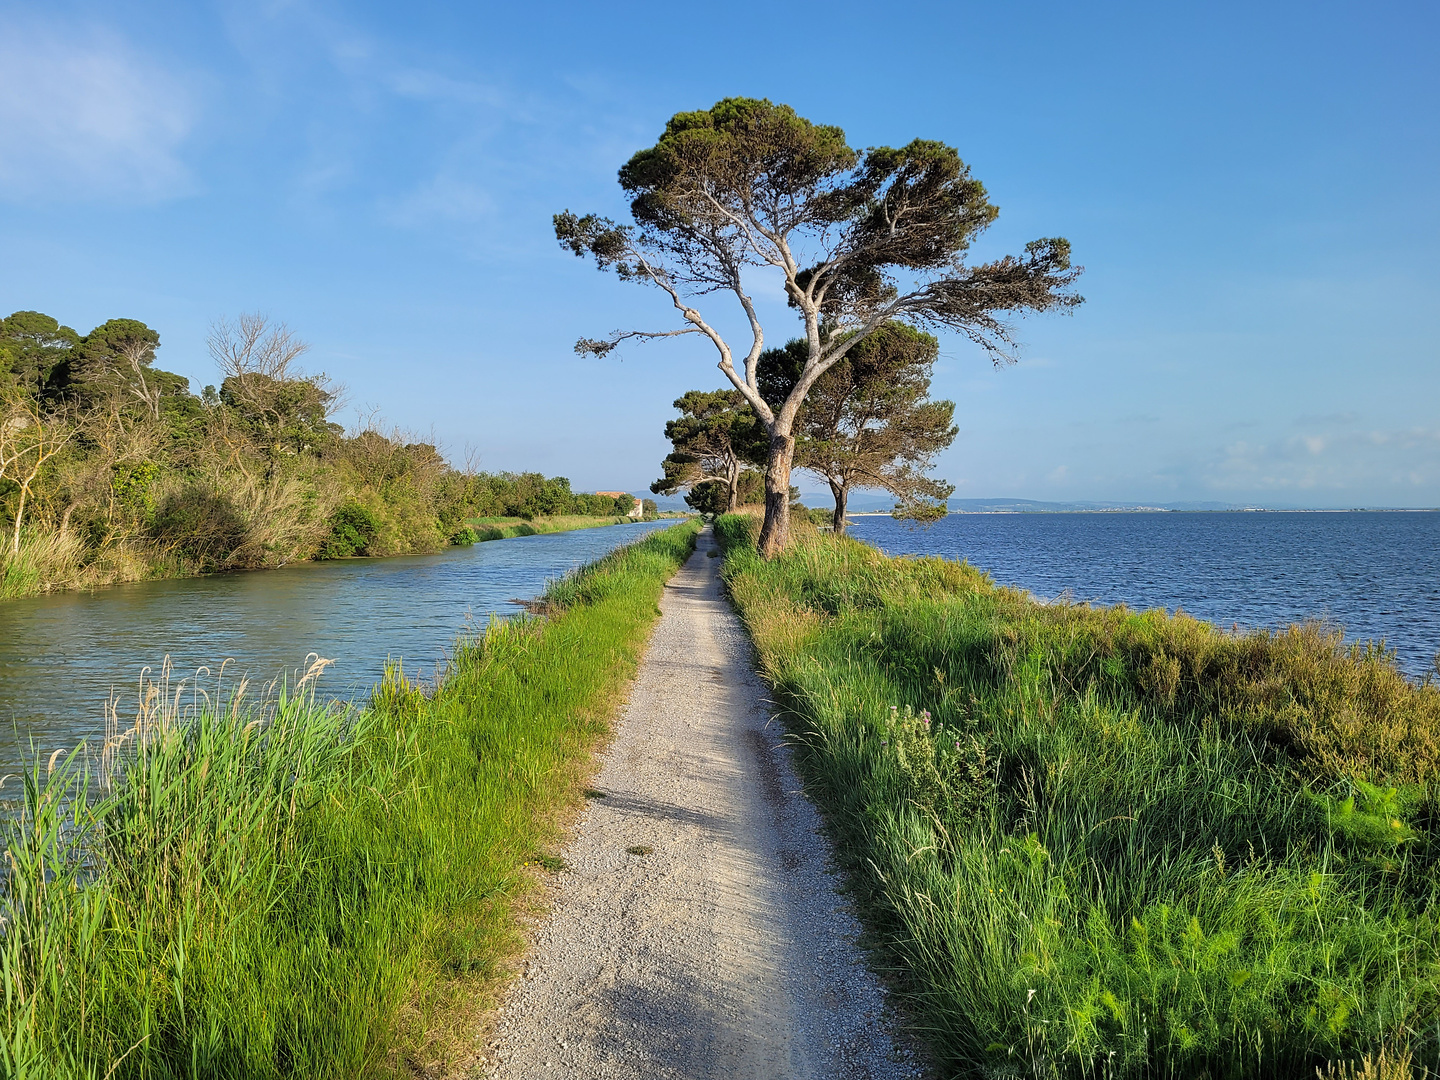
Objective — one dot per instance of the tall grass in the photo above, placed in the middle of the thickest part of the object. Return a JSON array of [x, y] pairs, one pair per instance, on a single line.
[[275, 887], [1099, 842]]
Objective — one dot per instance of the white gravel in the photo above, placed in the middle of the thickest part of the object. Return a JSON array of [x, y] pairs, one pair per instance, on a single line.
[[726, 951]]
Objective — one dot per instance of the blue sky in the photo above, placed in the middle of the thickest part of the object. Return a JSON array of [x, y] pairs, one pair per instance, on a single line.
[[1251, 188]]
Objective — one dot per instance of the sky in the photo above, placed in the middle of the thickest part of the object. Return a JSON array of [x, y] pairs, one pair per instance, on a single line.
[[1250, 188]]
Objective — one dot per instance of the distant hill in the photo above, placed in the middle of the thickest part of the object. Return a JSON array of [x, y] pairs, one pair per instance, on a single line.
[[1031, 506], [863, 502]]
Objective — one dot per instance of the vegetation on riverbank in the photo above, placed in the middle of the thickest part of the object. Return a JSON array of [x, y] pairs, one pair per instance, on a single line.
[[280, 887], [1094, 842], [112, 470], [505, 528]]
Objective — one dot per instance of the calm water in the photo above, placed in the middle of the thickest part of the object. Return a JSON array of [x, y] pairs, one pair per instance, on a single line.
[[1375, 574], [60, 655]]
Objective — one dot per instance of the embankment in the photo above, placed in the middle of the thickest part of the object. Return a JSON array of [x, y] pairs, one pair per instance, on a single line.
[[503, 528], [1100, 842], [283, 888]]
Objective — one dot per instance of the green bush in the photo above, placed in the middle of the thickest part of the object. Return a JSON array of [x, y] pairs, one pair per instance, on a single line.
[[200, 525], [352, 530]]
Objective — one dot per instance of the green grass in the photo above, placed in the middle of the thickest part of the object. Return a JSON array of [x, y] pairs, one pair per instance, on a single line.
[[272, 888], [1105, 843], [501, 528]]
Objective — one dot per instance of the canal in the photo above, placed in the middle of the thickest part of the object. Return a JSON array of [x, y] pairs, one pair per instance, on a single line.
[[62, 655]]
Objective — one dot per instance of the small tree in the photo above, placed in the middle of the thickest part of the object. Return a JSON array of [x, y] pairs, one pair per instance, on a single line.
[[283, 408], [30, 436], [857, 239], [869, 421], [716, 437]]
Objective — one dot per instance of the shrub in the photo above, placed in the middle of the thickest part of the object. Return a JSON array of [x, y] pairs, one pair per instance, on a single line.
[[352, 529], [201, 525]]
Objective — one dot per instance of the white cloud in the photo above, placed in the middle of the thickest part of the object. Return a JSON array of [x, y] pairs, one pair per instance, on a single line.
[[1350, 461], [86, 116]]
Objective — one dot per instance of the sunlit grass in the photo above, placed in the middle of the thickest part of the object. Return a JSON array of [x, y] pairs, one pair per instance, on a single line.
[[503, 528], [1100, 842], [273, 886]]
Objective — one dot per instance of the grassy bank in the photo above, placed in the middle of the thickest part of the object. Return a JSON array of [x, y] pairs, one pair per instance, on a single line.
[[1099, 842], [504, 528], [283, 888]]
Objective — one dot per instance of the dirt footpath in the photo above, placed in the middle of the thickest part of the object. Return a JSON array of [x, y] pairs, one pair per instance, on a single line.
[[720, 949]]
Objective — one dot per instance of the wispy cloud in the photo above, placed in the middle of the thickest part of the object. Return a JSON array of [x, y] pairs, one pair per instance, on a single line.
[[87, 116], [445, 197], [1336, 459]]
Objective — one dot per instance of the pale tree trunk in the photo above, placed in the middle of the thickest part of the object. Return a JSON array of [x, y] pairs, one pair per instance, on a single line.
[[19, 516], [732, 500], [775, 533], [841, 491]]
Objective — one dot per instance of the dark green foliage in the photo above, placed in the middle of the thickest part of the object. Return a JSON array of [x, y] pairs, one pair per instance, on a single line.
[[32, 345], [290, 415], [714, 497], [869, 420], [352, 528], [715, 441], [200, 524], [1101, 842]]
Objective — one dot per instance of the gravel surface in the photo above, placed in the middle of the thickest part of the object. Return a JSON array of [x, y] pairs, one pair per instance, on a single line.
[[697, 932]]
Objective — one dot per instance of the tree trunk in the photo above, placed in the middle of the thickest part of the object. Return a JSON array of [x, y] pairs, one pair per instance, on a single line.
[[842, 495], [775, 533], [19, 516], [732, 502]]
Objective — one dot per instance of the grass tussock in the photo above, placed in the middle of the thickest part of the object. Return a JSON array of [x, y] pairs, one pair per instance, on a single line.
[[280, 887], [1100, 842]]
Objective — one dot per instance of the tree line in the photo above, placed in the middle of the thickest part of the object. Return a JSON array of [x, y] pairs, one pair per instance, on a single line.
[[112, 469]]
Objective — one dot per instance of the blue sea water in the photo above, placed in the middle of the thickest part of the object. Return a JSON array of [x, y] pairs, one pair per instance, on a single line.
[[1375, 574]]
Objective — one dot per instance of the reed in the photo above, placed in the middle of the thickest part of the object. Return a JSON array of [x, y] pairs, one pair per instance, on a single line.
[[1098, 842], [269, 885]]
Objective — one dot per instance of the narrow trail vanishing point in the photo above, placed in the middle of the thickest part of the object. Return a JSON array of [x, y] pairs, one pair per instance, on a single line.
[[725, 951]]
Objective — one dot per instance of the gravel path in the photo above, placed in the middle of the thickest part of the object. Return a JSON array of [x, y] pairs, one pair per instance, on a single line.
[[724, 950]]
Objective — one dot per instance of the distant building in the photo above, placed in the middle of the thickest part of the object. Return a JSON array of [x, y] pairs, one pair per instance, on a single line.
[[638, 510]]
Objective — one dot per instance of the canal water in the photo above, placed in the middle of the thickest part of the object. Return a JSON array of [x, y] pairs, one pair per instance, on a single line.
[[62, 655]]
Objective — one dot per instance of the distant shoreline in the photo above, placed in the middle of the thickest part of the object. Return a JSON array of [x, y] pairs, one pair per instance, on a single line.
[[1164, 510]]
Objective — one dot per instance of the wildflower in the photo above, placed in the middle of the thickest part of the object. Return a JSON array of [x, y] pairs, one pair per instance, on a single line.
[[957, 744], [925, 716]]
